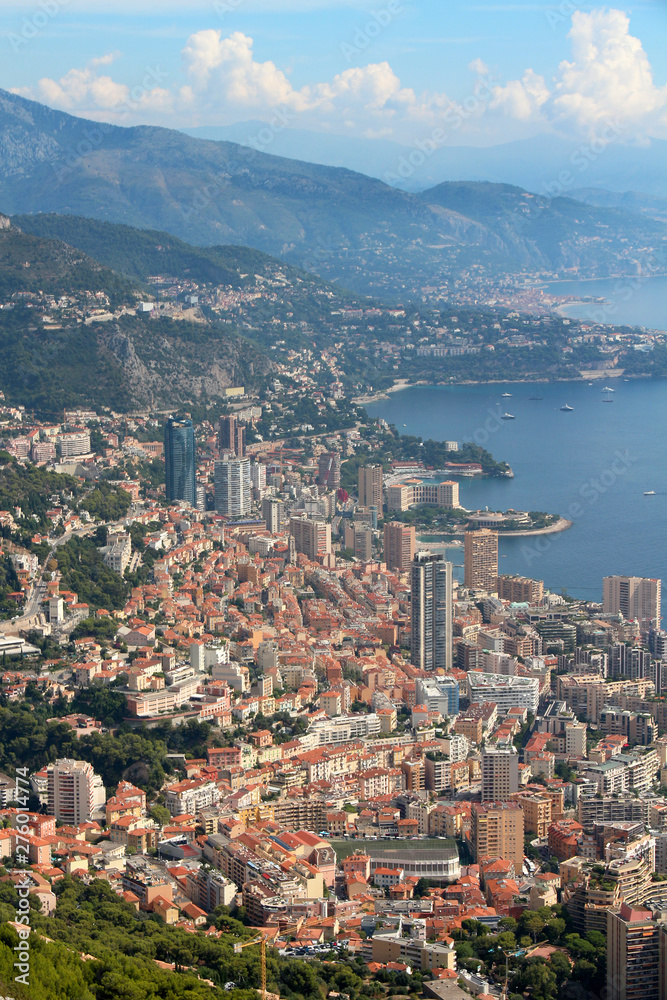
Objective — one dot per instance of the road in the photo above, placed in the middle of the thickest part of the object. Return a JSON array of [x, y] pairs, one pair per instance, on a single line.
[[38, 593]]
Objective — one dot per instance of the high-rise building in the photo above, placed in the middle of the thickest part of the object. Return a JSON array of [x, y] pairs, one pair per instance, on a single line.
[[496, 831], [399, 545], [271, 512], [258, 476], [481, 560], [500, 773], [312, 538], [520, 589], [180, 461], [370, 486], [636, 940], [432, 605], [240, 442], [74, 791], [227, 434], [328, 472], [637, 598], [233, 489]]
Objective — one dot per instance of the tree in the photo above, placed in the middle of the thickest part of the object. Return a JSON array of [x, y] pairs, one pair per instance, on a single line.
[[160, 814], [531, 922]]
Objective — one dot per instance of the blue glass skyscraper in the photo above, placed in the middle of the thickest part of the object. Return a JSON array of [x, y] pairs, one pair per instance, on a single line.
[[180, 461]]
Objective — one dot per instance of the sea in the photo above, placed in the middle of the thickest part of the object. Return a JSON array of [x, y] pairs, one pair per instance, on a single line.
[[638, 301], [592, 465]]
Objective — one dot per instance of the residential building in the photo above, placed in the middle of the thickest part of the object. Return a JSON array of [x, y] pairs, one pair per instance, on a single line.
[[635, 954], [431, 610], [637, 598], [328, 474], [118, 552], [506, 692], [480, 559], [370, 486], [272, 512], [496, 831], [399, 545], [233, 488], [500, 773], [520, 589], [313, 538], [75, 792]]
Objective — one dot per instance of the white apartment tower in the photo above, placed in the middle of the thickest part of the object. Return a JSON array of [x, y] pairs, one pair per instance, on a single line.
[[75, 791], [233, 487]]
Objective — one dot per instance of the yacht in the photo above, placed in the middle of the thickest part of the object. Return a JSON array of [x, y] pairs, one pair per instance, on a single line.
[[507, 394], [567, 408], [607, 389], [508, 416], [649, 493]]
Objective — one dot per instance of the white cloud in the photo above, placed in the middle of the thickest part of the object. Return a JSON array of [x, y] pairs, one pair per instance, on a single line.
[[83, 91], [522, 99], [608, 78]]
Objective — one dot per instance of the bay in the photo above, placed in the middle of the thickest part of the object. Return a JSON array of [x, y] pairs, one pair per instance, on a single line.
[[591, 465], [638, 301]]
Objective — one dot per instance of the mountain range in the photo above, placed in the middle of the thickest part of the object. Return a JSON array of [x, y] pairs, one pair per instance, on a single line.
[[532, 163], [343, 225]]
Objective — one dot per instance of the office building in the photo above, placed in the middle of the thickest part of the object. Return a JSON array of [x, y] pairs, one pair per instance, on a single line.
[[75, 792], [635, 954], [481, 560], [370, 486], [399, 545], [233, 488], [637, 598], [439, 694], [496, 831], [312, 538], [500, 773], [432, 610], [271, 513], [180, 461], [328, 472]]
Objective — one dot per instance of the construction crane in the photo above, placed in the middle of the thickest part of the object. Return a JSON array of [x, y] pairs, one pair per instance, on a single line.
[[261, 941]]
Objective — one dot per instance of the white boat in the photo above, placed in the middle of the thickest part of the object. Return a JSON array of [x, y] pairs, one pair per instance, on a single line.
[[567, 408], [649, 493], [508, 416], [507, 394], [607, 389]]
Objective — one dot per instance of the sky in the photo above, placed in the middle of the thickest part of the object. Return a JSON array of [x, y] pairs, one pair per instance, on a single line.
[[410, 71]]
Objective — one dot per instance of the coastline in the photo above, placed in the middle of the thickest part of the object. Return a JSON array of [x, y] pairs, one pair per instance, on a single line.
[[584, 376], [456, 538], [562, 524]]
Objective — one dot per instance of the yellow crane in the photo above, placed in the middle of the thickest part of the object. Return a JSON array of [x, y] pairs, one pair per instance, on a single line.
[[261, 941]]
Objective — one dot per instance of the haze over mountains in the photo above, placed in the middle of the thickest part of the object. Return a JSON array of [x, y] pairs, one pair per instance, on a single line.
[[533, 164], [344, 225]]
